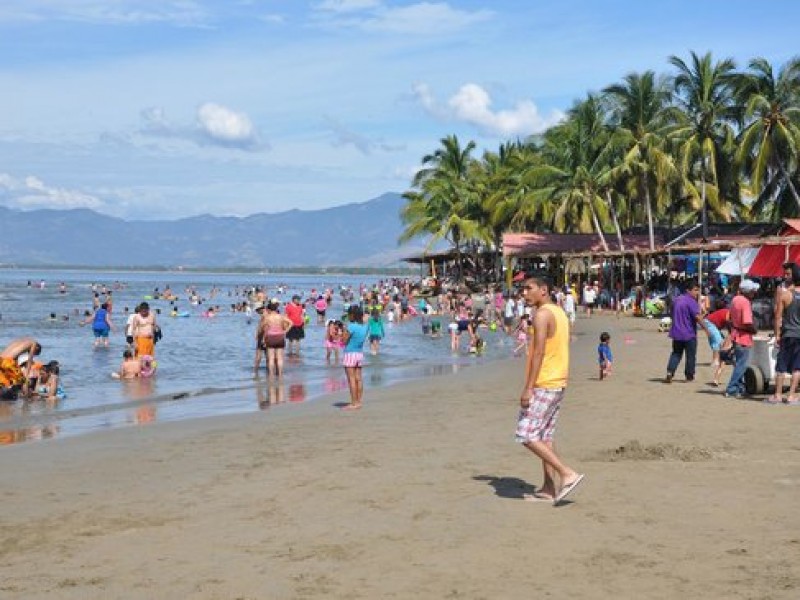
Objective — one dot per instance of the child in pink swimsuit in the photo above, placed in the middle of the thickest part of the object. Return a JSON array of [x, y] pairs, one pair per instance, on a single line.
[[334, 340]]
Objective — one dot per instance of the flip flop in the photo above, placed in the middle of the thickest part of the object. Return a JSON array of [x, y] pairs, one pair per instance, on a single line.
[[772, 400], [566, 490], [537, 498]]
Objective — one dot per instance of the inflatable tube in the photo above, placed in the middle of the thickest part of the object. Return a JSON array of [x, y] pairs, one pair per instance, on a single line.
[[147, 297], [149, 365], [180, 314]]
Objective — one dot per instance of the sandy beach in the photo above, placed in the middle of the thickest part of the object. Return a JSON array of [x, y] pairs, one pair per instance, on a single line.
[[418, 495]]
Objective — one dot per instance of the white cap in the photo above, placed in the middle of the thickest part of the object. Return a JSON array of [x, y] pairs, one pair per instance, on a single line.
[[748, 285]]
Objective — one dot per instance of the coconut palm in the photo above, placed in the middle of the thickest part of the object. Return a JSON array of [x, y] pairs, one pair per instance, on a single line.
[[704, 96], [637, 106], [768, 145], [441, 202], [575, 170]]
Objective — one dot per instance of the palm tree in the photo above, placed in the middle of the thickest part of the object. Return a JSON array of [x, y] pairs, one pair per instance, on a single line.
[[703, 92], [637, 108], [768, 144], [495, 180], [441, 202], [575, 172]]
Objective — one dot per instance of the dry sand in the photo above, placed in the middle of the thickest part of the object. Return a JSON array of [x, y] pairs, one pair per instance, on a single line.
[[418, 495]]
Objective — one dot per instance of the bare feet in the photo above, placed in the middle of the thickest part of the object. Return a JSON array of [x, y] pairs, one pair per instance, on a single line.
[[351, 407]]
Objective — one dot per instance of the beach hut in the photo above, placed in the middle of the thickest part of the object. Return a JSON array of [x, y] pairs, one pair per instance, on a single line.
[[770, 258]]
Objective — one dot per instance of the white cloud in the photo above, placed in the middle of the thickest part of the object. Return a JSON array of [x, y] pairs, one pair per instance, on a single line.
[[472, 104], [344, 136], [342, 6], [31, 192], [215, 125], [421, 18], [225, 126], [424, 18], [111, 12]]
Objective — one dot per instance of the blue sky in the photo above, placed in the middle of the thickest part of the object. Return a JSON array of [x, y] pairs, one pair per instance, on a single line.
[[169, 108]]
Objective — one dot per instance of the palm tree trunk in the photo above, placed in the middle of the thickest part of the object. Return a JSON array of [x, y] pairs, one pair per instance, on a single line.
[[597, 227], [459, 266], [703, 201], [498, 249], [616, 221], [648, 205], [789, 182]]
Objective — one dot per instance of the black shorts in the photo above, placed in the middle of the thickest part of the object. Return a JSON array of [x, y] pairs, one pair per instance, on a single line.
[[788, 360], [296, 333], [274, 341]]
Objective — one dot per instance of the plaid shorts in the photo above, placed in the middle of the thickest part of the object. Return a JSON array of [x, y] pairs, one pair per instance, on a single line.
[[538, 421]]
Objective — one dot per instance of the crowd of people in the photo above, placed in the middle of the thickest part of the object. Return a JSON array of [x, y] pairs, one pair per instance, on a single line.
[[727, 318]]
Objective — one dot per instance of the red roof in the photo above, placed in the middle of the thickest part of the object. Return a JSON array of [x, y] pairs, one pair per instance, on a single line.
[[534, 244]]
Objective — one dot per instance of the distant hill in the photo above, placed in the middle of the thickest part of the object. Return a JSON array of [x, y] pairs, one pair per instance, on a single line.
[[359, 234]]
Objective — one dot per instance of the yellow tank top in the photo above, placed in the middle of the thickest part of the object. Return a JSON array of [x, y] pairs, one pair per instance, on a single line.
[[555, 364]]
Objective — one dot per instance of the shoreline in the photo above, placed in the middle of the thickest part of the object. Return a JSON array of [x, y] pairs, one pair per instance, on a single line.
[[255, 387], [419, 495]]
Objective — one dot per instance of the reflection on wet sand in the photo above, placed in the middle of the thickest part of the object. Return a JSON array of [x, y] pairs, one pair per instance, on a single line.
[[27, 408], [34, 432], [334, 384], [297, 392], [139, 389], [269, 394]]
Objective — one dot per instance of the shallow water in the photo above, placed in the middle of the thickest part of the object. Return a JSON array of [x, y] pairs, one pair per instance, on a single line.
[[201, 360]]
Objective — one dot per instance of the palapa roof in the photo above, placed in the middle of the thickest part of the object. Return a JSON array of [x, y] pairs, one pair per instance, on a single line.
[[542, 244]]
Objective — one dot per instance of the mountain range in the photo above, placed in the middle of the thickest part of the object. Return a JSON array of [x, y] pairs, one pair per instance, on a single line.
[[352, 235]]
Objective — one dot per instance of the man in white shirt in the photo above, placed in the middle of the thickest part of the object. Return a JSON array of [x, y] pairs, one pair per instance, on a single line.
[[589, 298], [509, 312]]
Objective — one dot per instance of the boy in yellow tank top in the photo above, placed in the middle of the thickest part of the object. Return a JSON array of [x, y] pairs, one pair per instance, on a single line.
[[546, 373]]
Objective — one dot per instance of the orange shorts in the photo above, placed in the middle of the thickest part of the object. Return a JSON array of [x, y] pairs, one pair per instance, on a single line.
[[145, 346]]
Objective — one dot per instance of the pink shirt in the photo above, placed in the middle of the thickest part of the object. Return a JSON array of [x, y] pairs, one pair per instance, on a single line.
[[741, 314]]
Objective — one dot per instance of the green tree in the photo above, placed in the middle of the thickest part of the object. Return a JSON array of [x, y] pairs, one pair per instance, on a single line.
[[768, 145], [704, 96], [575, 171], [442, 203], [637, 106]]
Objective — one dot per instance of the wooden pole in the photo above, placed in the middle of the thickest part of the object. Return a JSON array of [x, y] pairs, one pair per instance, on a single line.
[[700, 269]]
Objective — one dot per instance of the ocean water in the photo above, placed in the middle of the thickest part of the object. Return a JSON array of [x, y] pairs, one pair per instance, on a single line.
[[205, 365]]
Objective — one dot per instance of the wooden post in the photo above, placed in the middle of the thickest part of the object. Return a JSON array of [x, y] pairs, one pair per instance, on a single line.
[[700, 268]]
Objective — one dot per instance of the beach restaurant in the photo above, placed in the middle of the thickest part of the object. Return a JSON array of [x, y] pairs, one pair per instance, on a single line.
[[628, 258]]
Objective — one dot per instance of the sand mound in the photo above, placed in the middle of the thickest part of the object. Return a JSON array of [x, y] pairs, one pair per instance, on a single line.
[[635, 450]]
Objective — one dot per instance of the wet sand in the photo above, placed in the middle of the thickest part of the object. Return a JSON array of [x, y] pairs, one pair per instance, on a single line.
[[419, 495]]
